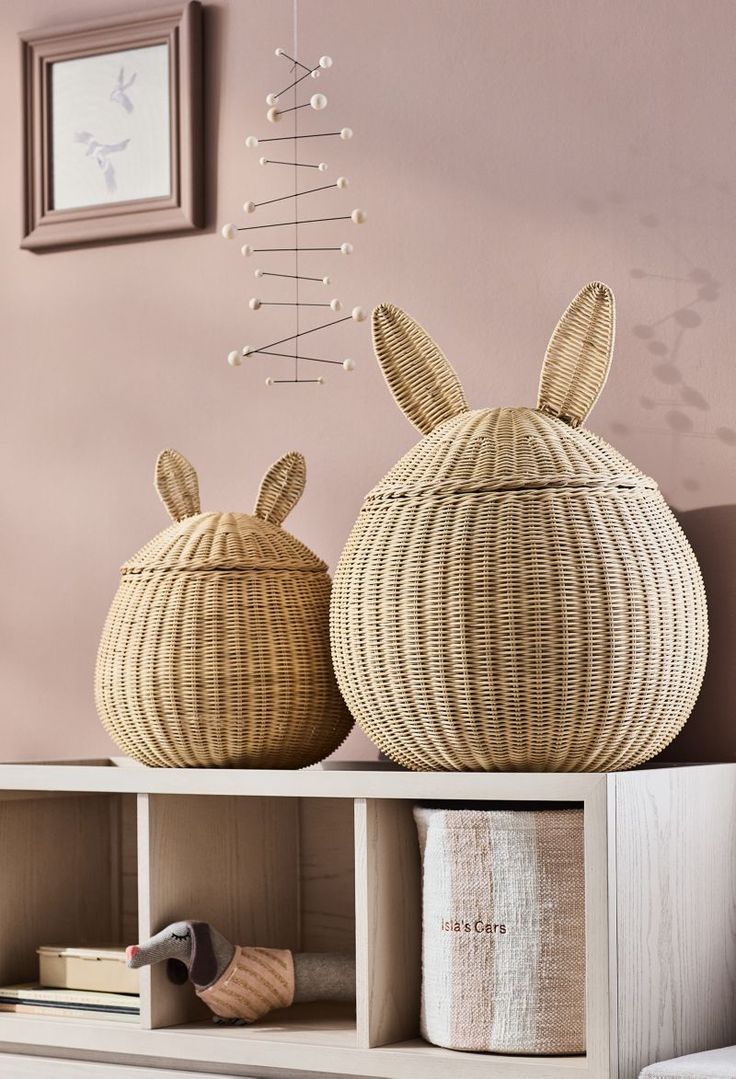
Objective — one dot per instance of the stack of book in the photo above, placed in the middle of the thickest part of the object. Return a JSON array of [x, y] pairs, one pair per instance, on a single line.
[[35, 999]]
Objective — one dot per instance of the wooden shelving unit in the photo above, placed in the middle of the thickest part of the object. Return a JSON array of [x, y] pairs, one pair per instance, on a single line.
[[327, 860]]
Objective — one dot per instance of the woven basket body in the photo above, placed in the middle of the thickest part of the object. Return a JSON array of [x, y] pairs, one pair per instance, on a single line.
[[503, 930], [215, 652], [516, 595]]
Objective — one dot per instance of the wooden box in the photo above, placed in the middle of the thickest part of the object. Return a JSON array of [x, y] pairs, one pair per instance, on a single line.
[[328, 860], [102, 969]]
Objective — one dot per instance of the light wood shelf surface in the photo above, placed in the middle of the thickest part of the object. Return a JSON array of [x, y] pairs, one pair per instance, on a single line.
[[121, 776], [327, 1044], [327, 859]]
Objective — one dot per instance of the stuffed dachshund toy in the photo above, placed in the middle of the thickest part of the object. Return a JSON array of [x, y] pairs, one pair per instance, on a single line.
[[243, 984]]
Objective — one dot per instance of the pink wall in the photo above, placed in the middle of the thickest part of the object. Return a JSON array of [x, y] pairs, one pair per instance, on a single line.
[[506, 152]]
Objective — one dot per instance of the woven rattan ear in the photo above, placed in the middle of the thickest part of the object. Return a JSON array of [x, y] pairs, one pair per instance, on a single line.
[[424, 384], [578, 355], [281, 488], [177, 485]]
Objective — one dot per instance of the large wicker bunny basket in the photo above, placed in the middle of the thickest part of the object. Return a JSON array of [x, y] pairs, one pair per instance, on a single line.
[[215, 652], [515, 595]]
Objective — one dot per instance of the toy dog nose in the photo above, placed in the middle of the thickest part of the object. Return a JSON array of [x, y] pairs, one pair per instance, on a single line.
[[131, 951]]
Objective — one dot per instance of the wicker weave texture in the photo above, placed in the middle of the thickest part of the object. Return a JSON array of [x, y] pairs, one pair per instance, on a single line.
[[579, 355], [215, 652], [429, 393], [516, 595]]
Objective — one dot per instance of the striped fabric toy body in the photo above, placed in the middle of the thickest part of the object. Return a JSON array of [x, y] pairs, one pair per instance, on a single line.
[[257, 981]]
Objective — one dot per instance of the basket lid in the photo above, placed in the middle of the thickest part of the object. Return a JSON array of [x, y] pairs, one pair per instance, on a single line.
[[216, 541], [507, 449], [504, 449]]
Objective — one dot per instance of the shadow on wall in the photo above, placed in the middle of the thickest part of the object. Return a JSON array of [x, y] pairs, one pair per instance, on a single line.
[[710, 733], [685, 296], [684, 408]]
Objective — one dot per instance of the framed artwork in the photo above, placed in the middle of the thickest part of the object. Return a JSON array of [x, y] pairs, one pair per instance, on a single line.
[[112, 128]]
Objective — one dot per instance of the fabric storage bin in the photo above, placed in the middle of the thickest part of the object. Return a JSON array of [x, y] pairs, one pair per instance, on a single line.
[[101, 969], [503, 929]]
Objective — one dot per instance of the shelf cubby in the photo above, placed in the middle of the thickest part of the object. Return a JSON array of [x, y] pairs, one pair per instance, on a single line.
[[265, 871], [327, 860], [68, 874]]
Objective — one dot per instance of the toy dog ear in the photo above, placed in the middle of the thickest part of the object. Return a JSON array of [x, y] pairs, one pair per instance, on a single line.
[[425, 387], [203, 962], [176, 971], [578, 355], [177, 485], [281, 488]]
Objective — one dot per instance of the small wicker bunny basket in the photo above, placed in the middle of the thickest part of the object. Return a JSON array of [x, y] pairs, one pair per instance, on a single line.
[[215, 652], [515, 594]]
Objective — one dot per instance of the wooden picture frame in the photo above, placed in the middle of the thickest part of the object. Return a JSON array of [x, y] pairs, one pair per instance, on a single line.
[[178, 29]]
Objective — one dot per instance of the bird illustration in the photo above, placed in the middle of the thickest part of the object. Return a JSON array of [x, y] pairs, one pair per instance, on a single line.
[[100, 151], [119, 95]]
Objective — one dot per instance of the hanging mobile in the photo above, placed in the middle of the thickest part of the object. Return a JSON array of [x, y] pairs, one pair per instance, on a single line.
[[276, 112]]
